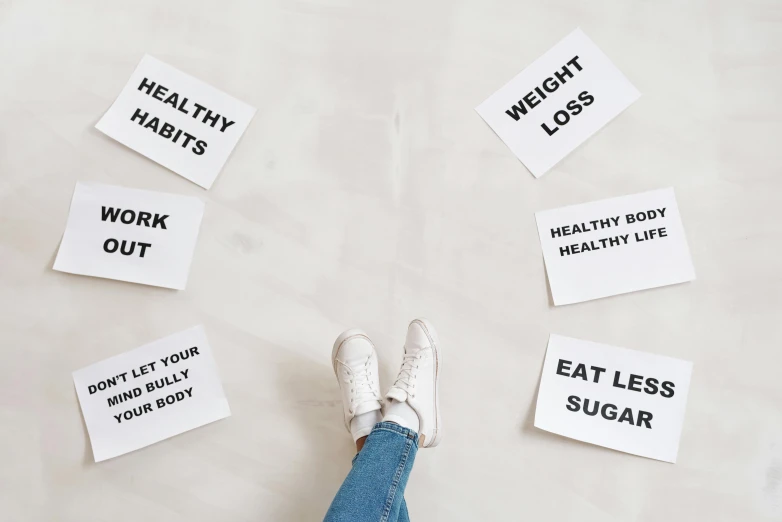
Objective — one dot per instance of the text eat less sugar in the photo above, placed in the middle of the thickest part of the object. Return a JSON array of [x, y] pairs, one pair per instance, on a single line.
[[635, 383]]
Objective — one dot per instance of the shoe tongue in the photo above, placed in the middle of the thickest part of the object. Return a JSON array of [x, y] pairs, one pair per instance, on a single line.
[[365, 407], [397, 394]]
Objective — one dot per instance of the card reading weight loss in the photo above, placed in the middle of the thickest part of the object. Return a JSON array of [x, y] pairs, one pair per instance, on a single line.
[[130, 235], [154, 392], [176, 120], [557, 102], [614, 246], [614, 397]]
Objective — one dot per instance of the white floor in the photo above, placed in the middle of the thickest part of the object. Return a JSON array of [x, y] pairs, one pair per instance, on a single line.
[[367, 192]]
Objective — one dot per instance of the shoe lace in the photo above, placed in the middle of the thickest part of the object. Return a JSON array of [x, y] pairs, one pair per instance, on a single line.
[[361, 385], [407, 373]]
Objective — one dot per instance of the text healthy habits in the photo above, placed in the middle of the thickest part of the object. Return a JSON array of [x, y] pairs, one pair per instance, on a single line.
[[169, 131], [178, 121]]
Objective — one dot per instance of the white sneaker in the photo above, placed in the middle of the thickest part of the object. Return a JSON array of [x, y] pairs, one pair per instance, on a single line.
[[355, 364], [418, 381]]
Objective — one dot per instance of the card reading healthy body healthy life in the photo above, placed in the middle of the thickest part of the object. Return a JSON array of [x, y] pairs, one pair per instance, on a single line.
[[558, 102], [182, 123], [614, 246]]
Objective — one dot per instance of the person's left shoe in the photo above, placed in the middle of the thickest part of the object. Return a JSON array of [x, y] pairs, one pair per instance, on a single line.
[[355, 364], [414, 399]]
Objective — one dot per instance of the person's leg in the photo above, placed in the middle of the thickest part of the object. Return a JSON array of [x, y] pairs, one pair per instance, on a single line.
[[414, 399], [374, 488]]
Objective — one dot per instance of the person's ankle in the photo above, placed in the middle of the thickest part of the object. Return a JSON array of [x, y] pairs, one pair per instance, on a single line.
[[360, 443], [361, 425], [401, 413]]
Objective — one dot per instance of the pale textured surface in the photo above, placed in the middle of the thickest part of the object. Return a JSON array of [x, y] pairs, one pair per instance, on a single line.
[[366, 192]]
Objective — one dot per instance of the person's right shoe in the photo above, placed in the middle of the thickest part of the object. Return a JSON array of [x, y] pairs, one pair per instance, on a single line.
[[417, 383], [355, 365]]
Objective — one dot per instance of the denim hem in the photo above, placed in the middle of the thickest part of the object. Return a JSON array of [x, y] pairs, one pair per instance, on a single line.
[[396, 428]]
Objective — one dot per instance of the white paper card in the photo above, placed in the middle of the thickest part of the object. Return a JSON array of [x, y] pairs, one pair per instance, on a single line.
[[614, 246], [176, 120], [557, 102], [614, 397], [131, 235], [149, 394]]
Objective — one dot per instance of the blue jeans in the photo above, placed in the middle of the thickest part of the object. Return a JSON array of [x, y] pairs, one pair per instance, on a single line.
[[374, 489]]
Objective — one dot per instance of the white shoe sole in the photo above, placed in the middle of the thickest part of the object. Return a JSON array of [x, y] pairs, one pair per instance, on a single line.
[[434, 340]]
